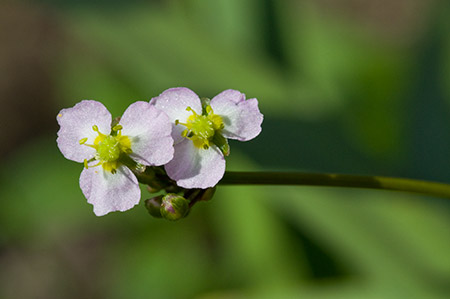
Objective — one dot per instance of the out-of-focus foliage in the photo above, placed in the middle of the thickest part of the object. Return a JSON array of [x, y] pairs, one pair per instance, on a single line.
[[343, 88]]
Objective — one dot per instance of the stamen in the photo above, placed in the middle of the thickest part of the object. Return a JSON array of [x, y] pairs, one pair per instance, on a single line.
[[191, 110], [91, 145], [109, 149], [98, 164], [201, 128], [117, 128], [177, 122]]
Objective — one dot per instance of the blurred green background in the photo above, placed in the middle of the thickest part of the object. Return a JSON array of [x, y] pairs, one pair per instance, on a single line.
[[349, 86]]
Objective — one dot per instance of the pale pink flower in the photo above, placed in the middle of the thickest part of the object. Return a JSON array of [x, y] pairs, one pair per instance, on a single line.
[[142, 137], [200, 133]]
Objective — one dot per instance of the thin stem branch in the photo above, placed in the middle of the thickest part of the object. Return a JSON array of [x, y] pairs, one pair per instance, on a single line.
[[336, 180]]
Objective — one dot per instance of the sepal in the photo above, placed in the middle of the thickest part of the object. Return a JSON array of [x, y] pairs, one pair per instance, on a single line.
[[153, 206], [222, 143]]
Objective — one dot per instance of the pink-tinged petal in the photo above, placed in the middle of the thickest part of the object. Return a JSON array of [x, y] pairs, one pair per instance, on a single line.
[[109, 192], [149, 130], [76, 123], [192, 167], [242, 118], [174, 102], [230, 95]]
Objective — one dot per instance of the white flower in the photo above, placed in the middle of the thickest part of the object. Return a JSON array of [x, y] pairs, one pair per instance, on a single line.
[[142, 136], [200, 133]]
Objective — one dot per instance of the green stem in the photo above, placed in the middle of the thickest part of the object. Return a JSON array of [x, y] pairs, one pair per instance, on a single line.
[[336, 180]]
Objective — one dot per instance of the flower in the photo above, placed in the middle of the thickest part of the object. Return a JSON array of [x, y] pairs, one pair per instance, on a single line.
[[142, 137], [200, 132]]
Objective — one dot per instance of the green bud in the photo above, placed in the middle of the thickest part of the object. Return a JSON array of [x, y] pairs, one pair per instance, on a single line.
[[173, 188], [153, 189], [205, 103], [140, 168], [174, 207], [196, 195], [207, 194], [147, 177], [153, 206], [115, 122]]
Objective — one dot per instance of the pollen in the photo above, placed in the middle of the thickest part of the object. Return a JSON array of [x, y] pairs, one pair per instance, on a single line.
[[109, 148], [201, 128]]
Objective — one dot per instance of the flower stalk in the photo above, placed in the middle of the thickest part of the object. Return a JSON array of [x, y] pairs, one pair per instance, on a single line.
[[337, 180]]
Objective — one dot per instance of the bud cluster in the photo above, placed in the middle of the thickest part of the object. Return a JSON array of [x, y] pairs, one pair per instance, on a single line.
[[174, 206]]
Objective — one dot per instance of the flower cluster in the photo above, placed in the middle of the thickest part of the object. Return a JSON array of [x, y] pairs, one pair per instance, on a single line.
[[176, 142]]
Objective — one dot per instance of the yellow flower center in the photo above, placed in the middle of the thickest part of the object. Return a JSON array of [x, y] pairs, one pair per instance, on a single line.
[[202, 128], [109, 148]]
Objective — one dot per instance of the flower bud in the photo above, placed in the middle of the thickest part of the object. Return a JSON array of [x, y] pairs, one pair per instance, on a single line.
[[152, 189], [174, 207], [153, 206], [205, 102], [207, 194], [115, 121]]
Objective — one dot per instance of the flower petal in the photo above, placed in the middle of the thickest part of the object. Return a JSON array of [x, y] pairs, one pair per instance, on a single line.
[[109, 192], [149, 130], [230, 95], [174, 102], [192, 167], [242, 118], [76, 123]]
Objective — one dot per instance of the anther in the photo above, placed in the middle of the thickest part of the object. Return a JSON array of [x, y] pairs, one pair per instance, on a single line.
[[117, 128], [177, 122], [86, 163], [95, 128], [191, 110], [83, 141]]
